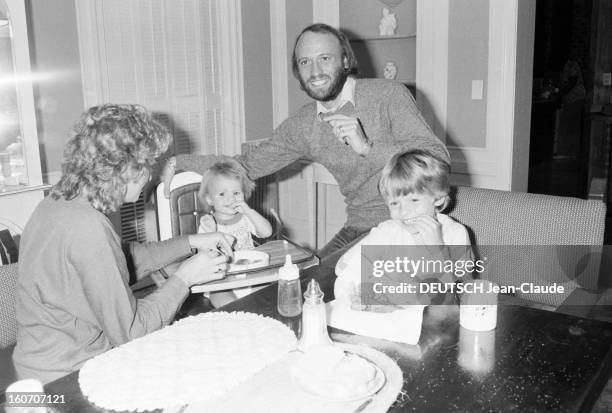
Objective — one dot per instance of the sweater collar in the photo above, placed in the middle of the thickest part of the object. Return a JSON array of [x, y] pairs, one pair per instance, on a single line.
[[346, 95]]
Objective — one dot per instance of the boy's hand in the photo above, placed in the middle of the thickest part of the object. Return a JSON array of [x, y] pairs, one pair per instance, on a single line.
[[355, 299], [426, 230], [349, 131], [167, 174], [357, 305]]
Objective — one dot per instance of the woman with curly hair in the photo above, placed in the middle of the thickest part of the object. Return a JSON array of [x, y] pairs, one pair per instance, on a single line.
[[73, 297]]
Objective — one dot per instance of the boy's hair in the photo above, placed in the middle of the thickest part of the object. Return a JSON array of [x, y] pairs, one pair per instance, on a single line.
[[416, 171], [229, 169]]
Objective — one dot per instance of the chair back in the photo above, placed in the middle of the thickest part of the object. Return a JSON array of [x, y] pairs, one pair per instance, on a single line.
[[520, 218], [8, 320], [181, 213], [571, 228]]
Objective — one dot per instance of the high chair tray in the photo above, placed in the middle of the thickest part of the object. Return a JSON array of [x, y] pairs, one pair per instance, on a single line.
[[276, 250]]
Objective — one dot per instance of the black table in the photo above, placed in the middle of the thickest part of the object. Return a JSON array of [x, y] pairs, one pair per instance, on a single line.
[[535, 360]]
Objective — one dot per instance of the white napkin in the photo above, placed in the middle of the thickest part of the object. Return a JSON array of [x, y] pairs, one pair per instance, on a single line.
[[402, 326]]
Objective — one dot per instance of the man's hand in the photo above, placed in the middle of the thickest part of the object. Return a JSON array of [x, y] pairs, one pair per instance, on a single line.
[[426, 229], [349, 131], [213, 241], [167, 174], [202, 268]]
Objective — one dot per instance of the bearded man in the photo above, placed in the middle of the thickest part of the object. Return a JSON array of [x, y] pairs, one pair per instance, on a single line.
[[352, 127]]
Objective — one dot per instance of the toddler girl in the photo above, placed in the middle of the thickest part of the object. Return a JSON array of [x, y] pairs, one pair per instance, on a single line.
[[224, 191], [415, 187]]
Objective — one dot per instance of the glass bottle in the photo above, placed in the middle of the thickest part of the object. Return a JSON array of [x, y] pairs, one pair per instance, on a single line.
[[289, 300], [314, 320]]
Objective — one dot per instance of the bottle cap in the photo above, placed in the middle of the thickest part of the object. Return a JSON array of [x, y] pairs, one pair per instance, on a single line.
[[313, 293], [288, 271]]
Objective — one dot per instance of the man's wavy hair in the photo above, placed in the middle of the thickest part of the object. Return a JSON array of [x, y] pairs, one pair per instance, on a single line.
[[109, 146], [345, 45], [230, 169], [416, 172]]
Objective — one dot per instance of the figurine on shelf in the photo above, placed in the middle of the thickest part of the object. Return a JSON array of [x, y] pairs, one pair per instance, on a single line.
[[392, 3], [388, 23], [390, 70]]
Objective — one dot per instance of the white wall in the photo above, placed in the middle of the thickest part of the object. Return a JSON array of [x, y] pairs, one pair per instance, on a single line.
[[58, 91], [299, 15], [257, 69], [489, 138], [468, 35]]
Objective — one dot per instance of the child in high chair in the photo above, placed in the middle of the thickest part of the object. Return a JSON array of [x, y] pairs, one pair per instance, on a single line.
[[224, 190], [415, 187]]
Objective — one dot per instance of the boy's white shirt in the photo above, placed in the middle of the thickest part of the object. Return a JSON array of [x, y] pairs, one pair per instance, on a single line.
[[390, 232]]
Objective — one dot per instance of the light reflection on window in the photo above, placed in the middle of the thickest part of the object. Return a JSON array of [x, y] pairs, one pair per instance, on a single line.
[[12, 161]]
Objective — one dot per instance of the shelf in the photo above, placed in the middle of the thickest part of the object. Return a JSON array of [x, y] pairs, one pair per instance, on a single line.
[[19, 189], [379, 37]]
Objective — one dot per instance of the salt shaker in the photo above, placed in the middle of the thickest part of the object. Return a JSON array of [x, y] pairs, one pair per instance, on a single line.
[[314, 320], [289, 300]]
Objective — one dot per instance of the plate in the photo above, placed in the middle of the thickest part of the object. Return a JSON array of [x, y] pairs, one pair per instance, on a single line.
[[245, 260], [374, 386]]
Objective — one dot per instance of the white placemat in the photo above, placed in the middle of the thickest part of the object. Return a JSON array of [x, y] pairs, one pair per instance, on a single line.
[[197, 358]]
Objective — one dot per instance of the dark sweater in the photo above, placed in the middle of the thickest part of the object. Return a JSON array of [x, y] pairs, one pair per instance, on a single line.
[[390, 120]]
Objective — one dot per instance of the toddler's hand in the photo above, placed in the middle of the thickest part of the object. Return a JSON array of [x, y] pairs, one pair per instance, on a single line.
[[356, 302], [241, 207], [426, 230]]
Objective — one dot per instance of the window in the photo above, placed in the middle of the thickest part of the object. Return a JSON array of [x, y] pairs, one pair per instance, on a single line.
[[179, 58]]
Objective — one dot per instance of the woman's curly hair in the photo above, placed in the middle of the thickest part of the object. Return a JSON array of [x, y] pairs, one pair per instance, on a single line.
[[110, 145]]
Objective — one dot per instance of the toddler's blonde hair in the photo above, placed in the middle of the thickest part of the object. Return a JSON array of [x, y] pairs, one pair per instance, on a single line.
[[228, 169]]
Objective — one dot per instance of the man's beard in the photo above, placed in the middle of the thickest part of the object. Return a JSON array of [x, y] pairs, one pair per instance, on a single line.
[[332, 91]]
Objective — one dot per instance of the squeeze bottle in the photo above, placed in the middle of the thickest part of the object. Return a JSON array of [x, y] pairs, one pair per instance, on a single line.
[[289, 302]]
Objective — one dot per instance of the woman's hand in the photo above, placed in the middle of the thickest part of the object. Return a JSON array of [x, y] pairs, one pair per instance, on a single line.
[[426, 230], [201, 268], [213, 241], [349, 131]]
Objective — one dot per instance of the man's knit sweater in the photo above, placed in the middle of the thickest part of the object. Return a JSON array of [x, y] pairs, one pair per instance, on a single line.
[[391, 121]]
